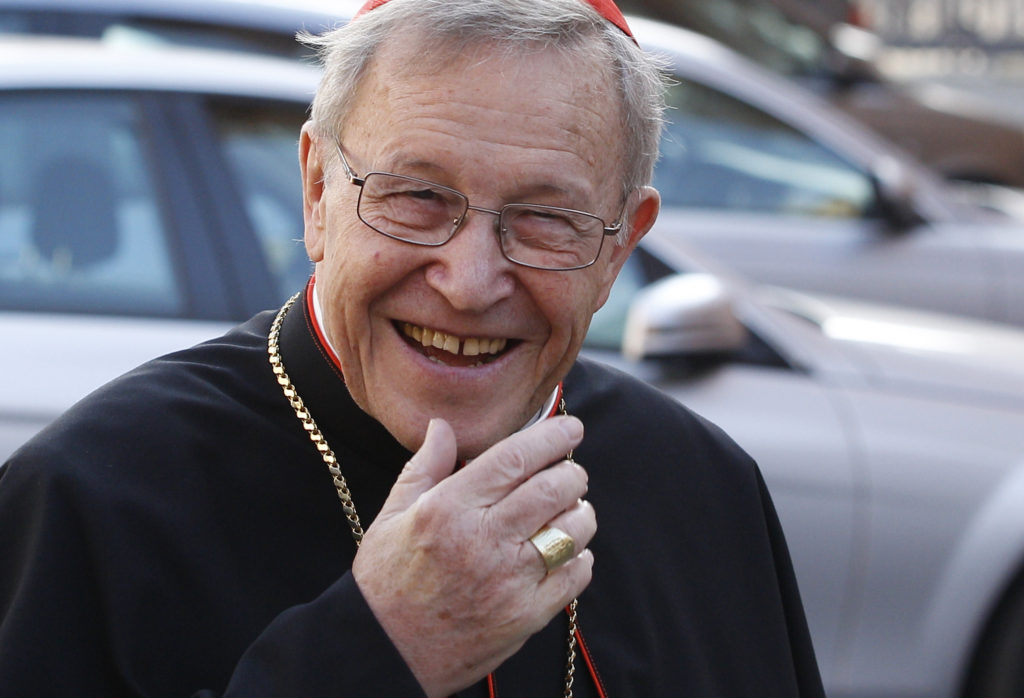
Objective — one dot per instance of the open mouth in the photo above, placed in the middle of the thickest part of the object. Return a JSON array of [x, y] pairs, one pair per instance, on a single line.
[[452, 350]]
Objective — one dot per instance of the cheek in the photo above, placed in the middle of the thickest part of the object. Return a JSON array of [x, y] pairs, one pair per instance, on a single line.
[[568, 308]]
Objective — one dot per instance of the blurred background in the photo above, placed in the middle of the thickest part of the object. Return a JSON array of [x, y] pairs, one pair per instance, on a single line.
[[955, 56], [973, 45]]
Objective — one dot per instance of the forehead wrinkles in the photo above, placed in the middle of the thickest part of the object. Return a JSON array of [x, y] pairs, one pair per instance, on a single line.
[[508, 97]]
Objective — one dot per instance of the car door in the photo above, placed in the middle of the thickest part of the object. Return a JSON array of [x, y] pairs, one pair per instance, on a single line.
[[104, 259], [245, 151]]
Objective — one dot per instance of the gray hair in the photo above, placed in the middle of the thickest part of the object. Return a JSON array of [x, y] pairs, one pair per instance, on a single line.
[[514, 25]]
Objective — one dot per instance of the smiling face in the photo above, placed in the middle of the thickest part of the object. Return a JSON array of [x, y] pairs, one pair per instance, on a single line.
[[458, 331]]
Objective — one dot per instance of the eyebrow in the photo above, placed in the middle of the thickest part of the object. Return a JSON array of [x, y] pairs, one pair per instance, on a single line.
[[438, 174]]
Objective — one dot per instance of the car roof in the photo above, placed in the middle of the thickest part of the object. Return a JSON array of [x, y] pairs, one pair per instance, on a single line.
[[76, 63], [271, 15]]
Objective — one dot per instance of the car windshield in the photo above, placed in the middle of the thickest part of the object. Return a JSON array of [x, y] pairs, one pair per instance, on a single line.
[[721, 153]]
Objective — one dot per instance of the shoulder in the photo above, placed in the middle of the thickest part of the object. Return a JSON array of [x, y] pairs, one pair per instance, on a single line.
[[157, 409], [636, 412]]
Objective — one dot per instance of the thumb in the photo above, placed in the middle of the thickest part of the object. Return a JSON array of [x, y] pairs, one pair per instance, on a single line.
[[433, 462]]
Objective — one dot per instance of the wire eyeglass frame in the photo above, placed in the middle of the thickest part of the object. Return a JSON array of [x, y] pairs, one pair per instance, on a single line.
[[500, 229]]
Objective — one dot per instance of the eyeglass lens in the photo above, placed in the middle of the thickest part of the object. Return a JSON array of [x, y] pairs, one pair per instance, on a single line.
[[417, 211]]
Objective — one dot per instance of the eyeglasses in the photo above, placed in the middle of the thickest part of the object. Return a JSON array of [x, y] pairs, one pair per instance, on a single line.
[[424, 213]]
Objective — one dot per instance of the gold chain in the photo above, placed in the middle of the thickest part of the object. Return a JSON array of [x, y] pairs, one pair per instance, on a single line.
[[309, 424], [347, 505]]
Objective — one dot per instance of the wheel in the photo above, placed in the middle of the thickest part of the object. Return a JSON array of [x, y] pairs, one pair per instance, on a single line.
[[998, 667]]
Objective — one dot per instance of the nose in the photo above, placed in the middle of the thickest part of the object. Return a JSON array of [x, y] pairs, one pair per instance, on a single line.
[[470, 271]]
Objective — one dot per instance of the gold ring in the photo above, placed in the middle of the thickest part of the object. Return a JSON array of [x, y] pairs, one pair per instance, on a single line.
[[555, 546]]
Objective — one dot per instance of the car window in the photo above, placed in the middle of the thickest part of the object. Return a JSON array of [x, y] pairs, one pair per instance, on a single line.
[[80, 226], [721, 153], [260, 145], [609, 323]]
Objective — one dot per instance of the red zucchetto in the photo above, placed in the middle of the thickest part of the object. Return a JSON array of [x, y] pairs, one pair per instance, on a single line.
[[606, 8]]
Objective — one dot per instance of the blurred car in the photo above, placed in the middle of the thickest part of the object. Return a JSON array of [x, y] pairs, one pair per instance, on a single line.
[[141, 206], [767, 178], [802, 40], [149, 197], [260, 26], [893, 445]]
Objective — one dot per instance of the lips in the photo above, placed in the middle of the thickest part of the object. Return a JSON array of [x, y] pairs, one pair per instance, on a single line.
[[452, 349]]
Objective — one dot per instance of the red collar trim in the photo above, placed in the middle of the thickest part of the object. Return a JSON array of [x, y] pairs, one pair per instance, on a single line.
[[317, 327], [492, 684], [558, 401]]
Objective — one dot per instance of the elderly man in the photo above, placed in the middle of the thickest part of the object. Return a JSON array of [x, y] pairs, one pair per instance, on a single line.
[[384, 488]]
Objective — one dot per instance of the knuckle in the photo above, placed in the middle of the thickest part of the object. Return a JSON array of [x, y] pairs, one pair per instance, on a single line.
[[431, 511], [513, 464], [547, 492]]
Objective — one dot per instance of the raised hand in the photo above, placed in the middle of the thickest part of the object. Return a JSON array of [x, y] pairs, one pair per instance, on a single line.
[[448, 567]]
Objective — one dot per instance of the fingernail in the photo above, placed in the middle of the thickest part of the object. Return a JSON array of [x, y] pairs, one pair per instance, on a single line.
[[431, 427]]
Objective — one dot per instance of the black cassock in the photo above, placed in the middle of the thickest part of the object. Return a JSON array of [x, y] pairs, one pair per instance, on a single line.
[[176, 533]]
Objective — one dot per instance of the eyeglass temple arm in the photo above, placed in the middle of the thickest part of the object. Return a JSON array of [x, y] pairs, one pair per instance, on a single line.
[[349, 172]]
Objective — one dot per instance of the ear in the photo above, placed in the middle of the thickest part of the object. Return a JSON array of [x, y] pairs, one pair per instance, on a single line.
[[313, 203], [644, 206]]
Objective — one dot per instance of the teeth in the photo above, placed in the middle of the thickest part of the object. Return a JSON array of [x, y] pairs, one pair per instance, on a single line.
[[472, 346]]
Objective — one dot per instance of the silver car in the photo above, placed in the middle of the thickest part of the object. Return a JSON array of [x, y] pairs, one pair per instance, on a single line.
[[809, 41], [765, 177], [893, 445], [140, 208], [148, 198]]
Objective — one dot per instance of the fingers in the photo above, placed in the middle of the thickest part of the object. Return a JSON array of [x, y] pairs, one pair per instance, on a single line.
[[448, 561], [511, 484], [566, 583], [538, 500], [502, 468], [430, 465], [579, 522]]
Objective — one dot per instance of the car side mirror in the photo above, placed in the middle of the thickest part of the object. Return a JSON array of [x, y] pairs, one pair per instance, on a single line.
[[856, 51], [682, 314], [894, 192]]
